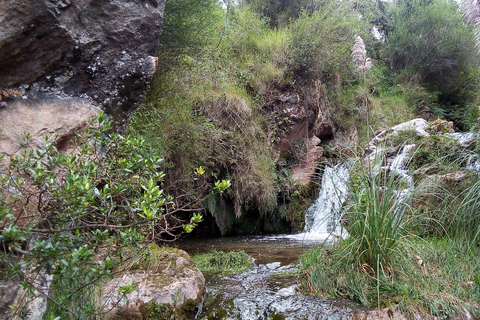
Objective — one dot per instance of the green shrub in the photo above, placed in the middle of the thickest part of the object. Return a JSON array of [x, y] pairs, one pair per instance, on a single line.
[[442, 48], [321, 43], [72, 216]]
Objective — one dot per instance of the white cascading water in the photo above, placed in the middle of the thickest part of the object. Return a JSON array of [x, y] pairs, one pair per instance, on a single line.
[[322, 220], [323, 217], [473, 163], [399, 167], [465, 138]]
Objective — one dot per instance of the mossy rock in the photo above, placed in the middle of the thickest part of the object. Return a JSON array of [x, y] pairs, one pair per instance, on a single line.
[[168, 286]]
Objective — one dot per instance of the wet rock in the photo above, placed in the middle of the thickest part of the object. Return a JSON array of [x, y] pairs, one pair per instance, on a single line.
[[273, 265], [102, 51], [463, 138], [183, 288], [287, 292]]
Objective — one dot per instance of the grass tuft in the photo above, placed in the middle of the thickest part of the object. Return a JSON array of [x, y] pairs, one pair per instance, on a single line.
[[430, 277], [223, 262]]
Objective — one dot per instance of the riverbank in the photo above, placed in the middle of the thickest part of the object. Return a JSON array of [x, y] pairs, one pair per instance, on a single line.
[[431, 279]]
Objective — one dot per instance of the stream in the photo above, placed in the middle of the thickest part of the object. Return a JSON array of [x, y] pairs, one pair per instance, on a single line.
[[268, 289]]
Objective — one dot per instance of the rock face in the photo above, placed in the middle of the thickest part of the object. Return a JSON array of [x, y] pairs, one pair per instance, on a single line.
[[299, 120], [305, 171], [49, 116], [103, 51], [61, 59], [177, 286]]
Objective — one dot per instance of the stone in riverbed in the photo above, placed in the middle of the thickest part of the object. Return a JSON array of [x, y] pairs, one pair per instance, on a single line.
[[178, 285]]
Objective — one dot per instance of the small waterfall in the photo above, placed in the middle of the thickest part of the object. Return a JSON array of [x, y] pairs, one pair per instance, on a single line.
[[399, 167], [323, 217], [464, 139], [473, 163]]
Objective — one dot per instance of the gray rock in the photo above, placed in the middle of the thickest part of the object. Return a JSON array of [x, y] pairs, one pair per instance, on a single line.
[[104, 51], [8, 293]]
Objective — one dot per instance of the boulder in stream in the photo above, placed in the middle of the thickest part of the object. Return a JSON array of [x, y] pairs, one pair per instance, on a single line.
[[173, 286]]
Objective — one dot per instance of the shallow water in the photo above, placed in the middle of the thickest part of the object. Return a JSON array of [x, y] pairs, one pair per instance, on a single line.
[[264, 249], [268, 289]]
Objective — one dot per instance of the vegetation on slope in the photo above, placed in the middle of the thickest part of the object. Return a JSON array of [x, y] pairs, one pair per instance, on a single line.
[[216, 111]]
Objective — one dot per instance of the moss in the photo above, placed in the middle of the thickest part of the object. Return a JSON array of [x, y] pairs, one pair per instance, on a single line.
[[152, 258], [294, 212], [222, 212], [155, 311]]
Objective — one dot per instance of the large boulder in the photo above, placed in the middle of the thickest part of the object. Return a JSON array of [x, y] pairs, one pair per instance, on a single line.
[[173, 283], [60, 60], [102, 51], [50, 116]]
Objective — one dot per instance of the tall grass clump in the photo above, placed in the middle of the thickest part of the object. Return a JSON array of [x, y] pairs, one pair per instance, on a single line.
[[465, 223], [431, 280], [376, 216]]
